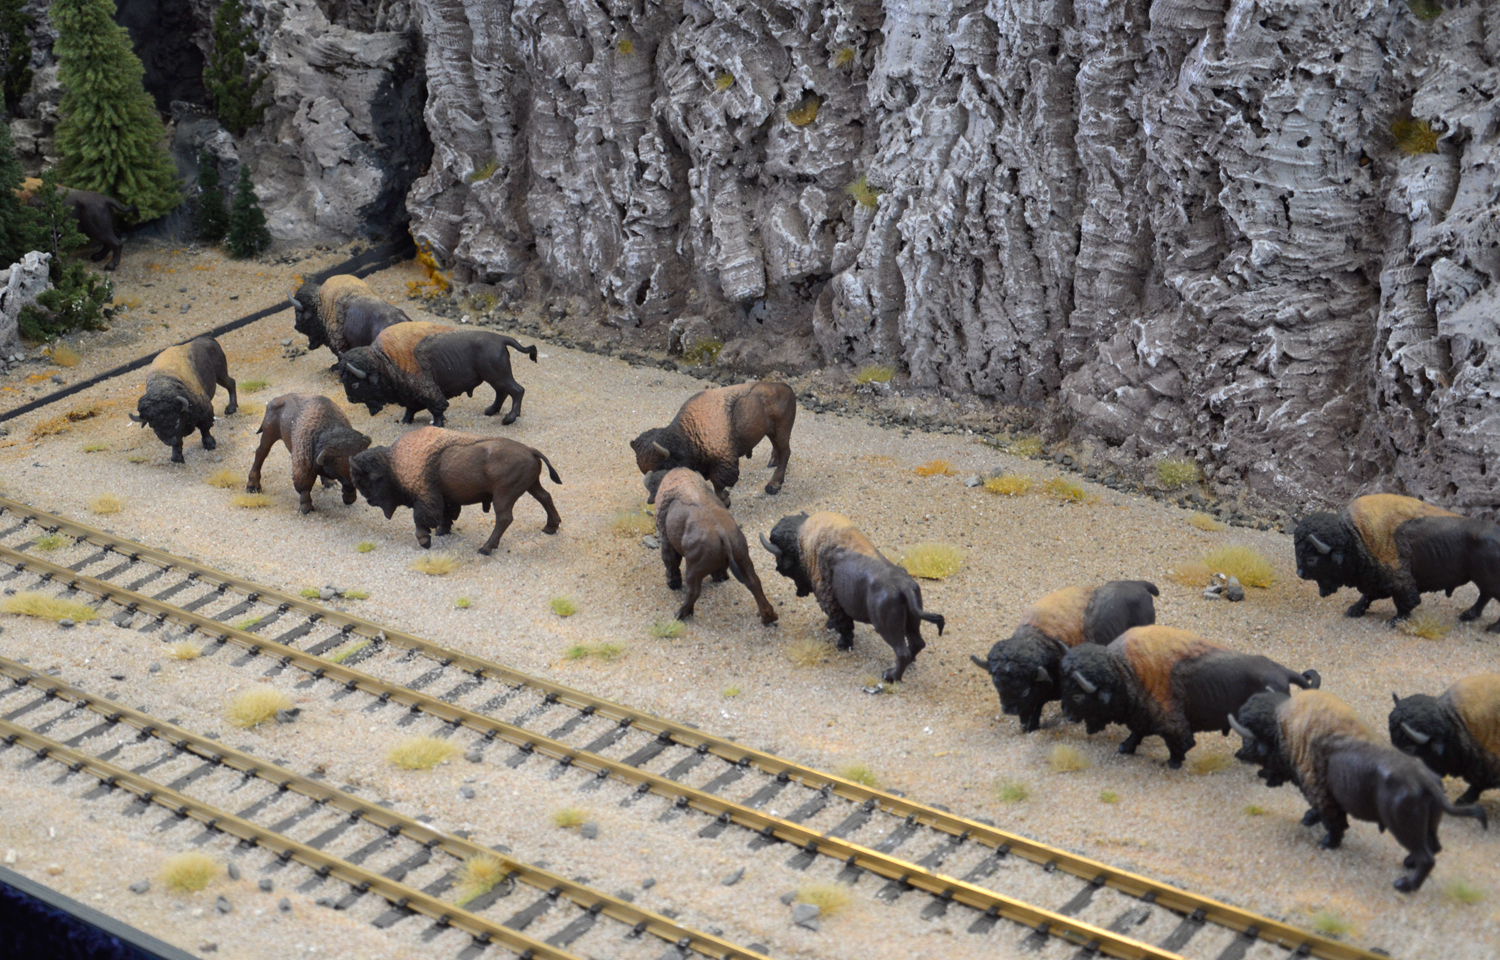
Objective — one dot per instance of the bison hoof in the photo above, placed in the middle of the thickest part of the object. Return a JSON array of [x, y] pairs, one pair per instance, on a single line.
[[769, 621], [507, 421], [773, 488], [674, 584], [684, 613], [425, 543], [177, 456], [1309, 818], [209, 443], [486, 551], [232, 408], [252, 488], [1406, 885], [1330, 842], [550, 529], [305, 508], [1174, 763], [1493, 628], [720, 577], [1468, 615]]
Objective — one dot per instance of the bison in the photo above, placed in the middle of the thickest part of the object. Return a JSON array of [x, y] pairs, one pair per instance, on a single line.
[[715, 428], [95, 214], [419, 365], [1160, 681], [1025, 666], [1357, 548], [1457, 734], [826, 555], [179, 393], [318, 437], [694, 526], [342, 313], [437, 472], [1315, 740]]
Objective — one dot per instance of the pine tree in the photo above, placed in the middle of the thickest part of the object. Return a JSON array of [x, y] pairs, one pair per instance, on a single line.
[[78, 294], [247, 224], [213, 218], [232, 85], [15, 60], [109, 135], [20, 226]]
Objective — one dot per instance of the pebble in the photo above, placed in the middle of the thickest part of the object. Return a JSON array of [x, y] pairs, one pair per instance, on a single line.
[[66, 623], [10, 856], [651, 543], [154, 668], [474, 756], [648, 883], [284, 905], [222, 905], [287, 716], [589, 831], [287, 342], [54, 869], [327, 593], [734, 878], [56, 379], [466, 791], [972, 480], [234, 871], [208, 946], [806, 915], [265, 885], [1234, 591], [140, 886], [788, 897]]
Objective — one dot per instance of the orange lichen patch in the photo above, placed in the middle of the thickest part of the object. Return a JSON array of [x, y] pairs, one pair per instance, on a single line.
[[1477, 702], [805, 112], [199, 266], [877, 460], [1059, 614], [1377, 516], [1153, 651], [935, 468]]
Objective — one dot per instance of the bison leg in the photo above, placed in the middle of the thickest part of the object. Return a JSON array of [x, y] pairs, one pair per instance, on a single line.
[[694, 587], [1337, 823], [781, 451], [411, 415], [1471, 795], [1131, 742], [843, 623], [672, 560], [304, 478], [503, 516], [351, 494], [1360, 606], [752, 583], [208, 441], [540, 494], [177, 452], [1177, 748], [1031, 719], [721, 576], [503, 389], [1478, 608], [451, 512], [267, 441], [227, 382], [1406, 600]]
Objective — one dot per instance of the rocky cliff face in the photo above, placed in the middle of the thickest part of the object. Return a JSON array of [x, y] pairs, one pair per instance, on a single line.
[[1186, 224]]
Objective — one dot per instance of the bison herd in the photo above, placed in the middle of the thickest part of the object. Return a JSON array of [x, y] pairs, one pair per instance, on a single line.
[[1098, 651]]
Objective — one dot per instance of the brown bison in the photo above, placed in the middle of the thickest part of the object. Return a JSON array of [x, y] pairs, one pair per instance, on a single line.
[[1313, 739], [826, 555], [437, 472], [1026, 667], [693, 526], [1457, 734], [95, 214], [179, 393], [715, 428], [419, 365], [1159, 681], [318, 437], [342, 313]]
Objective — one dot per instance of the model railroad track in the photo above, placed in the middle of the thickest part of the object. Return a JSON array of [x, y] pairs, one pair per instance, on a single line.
[[1112, 912]]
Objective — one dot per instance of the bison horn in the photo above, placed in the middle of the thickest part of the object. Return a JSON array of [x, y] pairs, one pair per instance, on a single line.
[[1083, 682], [1417, 736], [1321, 547], [775, 550], [185, 405], [137, 418], [322, 455], [355, 370], [1240, 728], [660, 449], [1042, 676], [1396, 698]]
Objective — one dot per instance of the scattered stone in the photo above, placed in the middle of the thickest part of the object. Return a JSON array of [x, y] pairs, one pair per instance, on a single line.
[[284, 905], [467, 792], [806, 915], [288, 716], [474, 756], [265, 885], [648, 883], [328, 593], [10, 856], [1213, 592], [734, 878], [625, 895], [208, 946], [788, 897], [140, 886], [324, 902], [222, 905], [589, 831], [287, 342], [56, 379], [651, 543], [67, 623], [972, 480], [54, 869], [234, 871], [1233, 590], [154, 668]]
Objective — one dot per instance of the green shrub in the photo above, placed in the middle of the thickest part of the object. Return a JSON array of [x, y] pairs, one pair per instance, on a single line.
[[1174, 473], [213, 217], [247, 223], [226, 75], [78, 295]]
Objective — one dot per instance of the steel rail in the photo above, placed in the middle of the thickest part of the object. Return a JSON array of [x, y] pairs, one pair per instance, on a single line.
[[216, 819], [1093, 871]]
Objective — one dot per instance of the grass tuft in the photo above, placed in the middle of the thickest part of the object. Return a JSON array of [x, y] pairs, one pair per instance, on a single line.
[[347, 652], [477, 875], [223, 477], [355, 594], [1204, 522], [935, 468], [1008, 485], [1330, 924], [864, 194], [365, 546], [184, 650], [1211, 762], [1012, 791], [807, 652], [858, 773], [667, 629], [95, 447], [703, 352], [137, 458], [844, 58], [50, 541], [1194, 573], [256, 706], [1025, 447], [251, 501], [1462, 891], [723, 80], [604, 652], [462, 603], [1067, 490], [1174, 473], [64, 355], [563, 607], [731, 691], [40, 605], [1247, 564], [421, 753], [1427, 624], [1066, 759], [1109, 796], [875, 373], [1426, 10], [1414, 137], [805, 112], [569, 818], [106, 504], [483, 172], [253, 386], [189, 872], [435, 564], [1255, 810], [635, 522], [625, 47], [932, 561], [311, 593], [829, 897]]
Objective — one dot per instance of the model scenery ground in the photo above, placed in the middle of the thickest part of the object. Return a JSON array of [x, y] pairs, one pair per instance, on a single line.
[[1211, 827]]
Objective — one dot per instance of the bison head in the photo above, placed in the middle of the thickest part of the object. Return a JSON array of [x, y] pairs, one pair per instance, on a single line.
[[1324, 548], [652, 451], [652, 482], [334, 448], [168, 408], [1091, 689], [375, 478], [305, 317], [1419, 726], [786, 546], [363, 377], [1257, 725], [1024, 671]]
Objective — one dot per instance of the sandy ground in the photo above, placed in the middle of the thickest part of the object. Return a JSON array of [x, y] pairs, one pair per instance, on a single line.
[[1212, 827]]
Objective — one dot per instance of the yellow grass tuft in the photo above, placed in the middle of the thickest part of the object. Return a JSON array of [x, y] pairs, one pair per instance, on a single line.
[[189, 872], [1254, 810], [421, 753], [478, 875], [256, 706], [184, 650], [844, 58], [1414, 137], [1012, 791], [1204, 763], [635, 522], [1008, 485], [462, 603], [1425, 10], [805, 112], [1174, 473], [570, 817], [365, 546], [1109, 796], [932, 561], [667, 629], [874, 373], [935, 468], [106, 504], [1194, 573], [723, 80], [1330, 923], [1025, 447], [1462, 891], [864, 194], [1066, 759], [51, 427], [95, 447], [64, 355], [703, 352], [1247, 564], [1204, 522], [1426, 623], [347, 652], [225, 478], [625, 47], [354, 594], [827, 896], [605, 652], [731, 692], [136, 458], [253, 386], [807, 652], [51, 541], [1067, 490], [563, 607], [438, 564], [251, 501], [858, 773], [43, 607], [311, 593]]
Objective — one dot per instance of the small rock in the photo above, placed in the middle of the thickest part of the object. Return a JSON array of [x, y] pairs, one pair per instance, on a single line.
[[805, 915], [66, 623], [54, 869], [140, 886], [648, 883], [265, 885], [222, 905], [56, 379], [10, 856], [208, 946], [589, 831], [284, 905], [288, 716], [734, 878], [788, 897], [467, 792], [154, 668], [1212, 593], [651, 543], [972, 480], [92, 623], [287, 342], [1234, 591], [474, 756], [327, 593], [234, 871], [324, 902]]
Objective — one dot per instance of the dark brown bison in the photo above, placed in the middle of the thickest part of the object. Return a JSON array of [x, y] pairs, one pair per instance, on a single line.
[[715, 428], [826, 556], [1025, 667], [1457, 734], [318, 437], [1313, 739], [419, 365], [179, 393], [437, 472], [693, 526], [95, 214], [342, 313], [1160, 681], [1357, 548]]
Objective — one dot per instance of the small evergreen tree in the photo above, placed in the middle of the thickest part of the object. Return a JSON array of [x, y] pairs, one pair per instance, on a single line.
[[232, 85], [20, 227], [78, 295], [15, 52], [213, 218], [108, 135], [247, 223]]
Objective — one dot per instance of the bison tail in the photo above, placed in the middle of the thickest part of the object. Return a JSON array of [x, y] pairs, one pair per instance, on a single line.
[[734, 568], [1464, 810], [531, 351], [936, 618], [551, 471], [1313, 678], [1151, 589], [980, 663]]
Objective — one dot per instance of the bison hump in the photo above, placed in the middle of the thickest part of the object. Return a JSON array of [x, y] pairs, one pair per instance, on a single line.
[[707, 421], [1476, 700], [1152, 653], [335, 289], [1059, 614], [177, 363], [399, 342], [1376, 517]]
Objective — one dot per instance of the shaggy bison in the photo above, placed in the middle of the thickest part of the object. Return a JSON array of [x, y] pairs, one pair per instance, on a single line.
[[1166, 682], [1025, 667], [1358, 548], [715, 428], [1313, 739], [95, 214], [825, 555], [342, 313], [1457, 734], [179, 393], [695, 527], [419, 365], [437, 472], [318, 437]]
